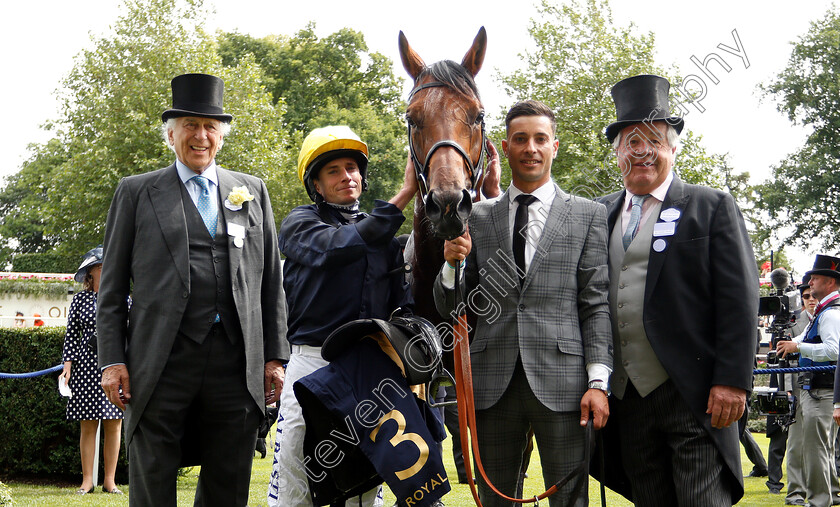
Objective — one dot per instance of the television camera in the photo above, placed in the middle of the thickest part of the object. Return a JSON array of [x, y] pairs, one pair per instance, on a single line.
[[784, 304]]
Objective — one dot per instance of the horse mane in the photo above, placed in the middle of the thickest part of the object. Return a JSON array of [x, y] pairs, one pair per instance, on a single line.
[[453, 75]]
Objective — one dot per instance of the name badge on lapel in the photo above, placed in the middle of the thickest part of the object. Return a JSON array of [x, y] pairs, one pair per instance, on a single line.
[[238, 233], [670, 215], [664, 229]]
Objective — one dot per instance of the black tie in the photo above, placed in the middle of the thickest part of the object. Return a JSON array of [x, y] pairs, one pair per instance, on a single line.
[[520, 223]]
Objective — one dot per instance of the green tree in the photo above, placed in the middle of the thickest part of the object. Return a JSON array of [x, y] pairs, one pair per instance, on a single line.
[[802, 199], [110, 116], [580, 54], [22, 225], [328, 81]]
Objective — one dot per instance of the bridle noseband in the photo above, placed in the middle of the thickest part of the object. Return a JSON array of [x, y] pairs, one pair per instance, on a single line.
[[476, 171]]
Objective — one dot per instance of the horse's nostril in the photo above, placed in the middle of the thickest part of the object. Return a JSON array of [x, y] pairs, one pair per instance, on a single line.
[[465, 205], [433, 210]]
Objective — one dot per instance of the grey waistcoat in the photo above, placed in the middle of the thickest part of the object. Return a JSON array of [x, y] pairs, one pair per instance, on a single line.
[[634, 359]]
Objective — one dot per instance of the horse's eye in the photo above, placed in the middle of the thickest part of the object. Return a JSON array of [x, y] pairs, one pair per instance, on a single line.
[[479, 118], [409, 121]]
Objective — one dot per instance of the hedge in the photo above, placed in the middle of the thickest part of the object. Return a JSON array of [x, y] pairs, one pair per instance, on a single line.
[[35, 438], [34, 288], [45, 263]]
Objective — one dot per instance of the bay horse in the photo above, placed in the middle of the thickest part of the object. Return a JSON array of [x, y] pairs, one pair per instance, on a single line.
[[447, 142]]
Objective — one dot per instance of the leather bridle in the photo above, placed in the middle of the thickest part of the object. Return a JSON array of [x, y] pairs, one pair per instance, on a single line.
[[421, 170]]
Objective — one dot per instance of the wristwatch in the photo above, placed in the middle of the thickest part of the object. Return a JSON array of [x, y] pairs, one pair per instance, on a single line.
[[599, 384]]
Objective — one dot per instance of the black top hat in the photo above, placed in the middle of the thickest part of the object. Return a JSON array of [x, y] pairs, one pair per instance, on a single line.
[[638, 99], [197, 95], [825, 265]]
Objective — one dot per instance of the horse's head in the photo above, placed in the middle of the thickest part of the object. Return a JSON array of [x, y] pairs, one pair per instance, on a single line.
[[446, 134]]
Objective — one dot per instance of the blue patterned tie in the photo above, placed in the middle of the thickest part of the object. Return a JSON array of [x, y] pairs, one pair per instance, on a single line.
[[637, 201], [207, 206]]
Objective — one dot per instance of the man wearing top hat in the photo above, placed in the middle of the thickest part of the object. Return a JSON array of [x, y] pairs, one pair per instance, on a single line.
[[200, 353], [683, 285], [817, 345]]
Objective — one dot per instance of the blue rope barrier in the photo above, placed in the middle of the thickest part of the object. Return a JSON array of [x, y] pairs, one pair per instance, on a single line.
[[767, 371], [32, 373]]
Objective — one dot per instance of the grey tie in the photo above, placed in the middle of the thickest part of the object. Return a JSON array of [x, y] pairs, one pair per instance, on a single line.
[[637, 201], [207, 206]]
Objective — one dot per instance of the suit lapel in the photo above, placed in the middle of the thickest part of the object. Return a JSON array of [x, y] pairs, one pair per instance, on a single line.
[[227, 180], [165, 194], [554, 223], [613, 203], [501, 224], [675, 198]]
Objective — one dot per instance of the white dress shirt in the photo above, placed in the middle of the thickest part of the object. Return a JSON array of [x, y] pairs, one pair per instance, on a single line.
[[658, 193], [194, 189], [829, 334]]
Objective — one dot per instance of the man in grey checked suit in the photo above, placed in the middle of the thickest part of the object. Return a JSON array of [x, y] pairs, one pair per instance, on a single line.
[[536, 277], [683, 300], [198, 356]]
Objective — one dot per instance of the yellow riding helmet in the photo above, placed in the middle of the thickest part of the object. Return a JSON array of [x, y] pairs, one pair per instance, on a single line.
[[329, 143]]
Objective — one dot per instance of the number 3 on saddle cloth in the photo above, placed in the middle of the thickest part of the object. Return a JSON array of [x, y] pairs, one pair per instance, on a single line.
[[364, 425]]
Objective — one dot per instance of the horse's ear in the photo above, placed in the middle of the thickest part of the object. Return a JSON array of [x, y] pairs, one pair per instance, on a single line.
[[411, 61], [475, 56]]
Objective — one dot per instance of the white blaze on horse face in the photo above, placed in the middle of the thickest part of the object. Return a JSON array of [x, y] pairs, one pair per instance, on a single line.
[[530, 148]]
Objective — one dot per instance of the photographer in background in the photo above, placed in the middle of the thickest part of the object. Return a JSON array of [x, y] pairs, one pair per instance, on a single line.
[[817, 346], [778, 432]]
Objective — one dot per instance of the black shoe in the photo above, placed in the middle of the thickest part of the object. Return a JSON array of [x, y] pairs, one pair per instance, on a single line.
[[81, 491], [757, 473], [775, 491]]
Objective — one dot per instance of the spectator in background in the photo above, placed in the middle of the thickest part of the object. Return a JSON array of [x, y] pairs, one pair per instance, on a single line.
[[19, 320], [817, 346], [88, 402], [38, 322], [784, 440]]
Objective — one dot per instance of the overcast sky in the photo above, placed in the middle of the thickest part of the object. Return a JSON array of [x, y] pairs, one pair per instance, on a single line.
[[41, 37]]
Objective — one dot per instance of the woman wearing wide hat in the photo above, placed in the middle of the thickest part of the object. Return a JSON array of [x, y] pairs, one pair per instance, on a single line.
[[81, 374]]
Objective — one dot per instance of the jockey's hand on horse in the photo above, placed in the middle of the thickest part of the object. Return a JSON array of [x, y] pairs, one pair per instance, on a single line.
[[409, 187], [492, 178], [457, 250]]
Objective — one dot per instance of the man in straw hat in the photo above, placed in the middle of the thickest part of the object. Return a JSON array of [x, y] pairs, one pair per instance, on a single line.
[[683, 285], [201, 353]]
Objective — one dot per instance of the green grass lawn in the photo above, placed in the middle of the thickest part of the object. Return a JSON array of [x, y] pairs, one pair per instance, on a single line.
[[54, 495]]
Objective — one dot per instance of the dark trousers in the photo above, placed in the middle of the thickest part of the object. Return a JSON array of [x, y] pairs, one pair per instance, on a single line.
[[668, 456], [206, 381], [502, 432], [753, 452], [775, 453]]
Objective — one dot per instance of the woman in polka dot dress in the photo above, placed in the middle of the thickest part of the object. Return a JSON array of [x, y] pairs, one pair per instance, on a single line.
[[88, 403]]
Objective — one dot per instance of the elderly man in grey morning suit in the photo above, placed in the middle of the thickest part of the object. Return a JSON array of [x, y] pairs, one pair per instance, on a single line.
[[199, 354], [542, 357]]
